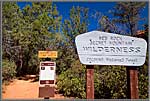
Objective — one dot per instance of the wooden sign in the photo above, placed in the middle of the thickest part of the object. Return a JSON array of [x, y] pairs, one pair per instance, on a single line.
[[47, 73], [102, 48], [47, 54], [46, 91]]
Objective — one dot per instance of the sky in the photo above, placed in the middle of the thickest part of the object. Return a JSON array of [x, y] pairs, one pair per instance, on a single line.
[[103, 7]]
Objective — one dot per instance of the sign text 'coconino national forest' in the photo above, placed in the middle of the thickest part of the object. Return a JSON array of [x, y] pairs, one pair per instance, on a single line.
[[102, 48]]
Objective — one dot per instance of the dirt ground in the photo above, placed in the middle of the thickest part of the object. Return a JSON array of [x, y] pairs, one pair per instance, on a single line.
[[24, 89]]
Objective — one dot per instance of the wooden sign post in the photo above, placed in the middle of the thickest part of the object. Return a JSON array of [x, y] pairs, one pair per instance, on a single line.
[[132, 82], [89, 81], [102, 48], [47, 79], [47, 74]]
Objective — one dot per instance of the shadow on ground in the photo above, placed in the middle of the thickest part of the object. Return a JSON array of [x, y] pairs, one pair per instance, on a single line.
[[32, 78]]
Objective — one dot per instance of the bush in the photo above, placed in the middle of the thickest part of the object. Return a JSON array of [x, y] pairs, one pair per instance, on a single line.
[[8, 70], [143, 80], [72, 81], [110, 82], [33, 65]]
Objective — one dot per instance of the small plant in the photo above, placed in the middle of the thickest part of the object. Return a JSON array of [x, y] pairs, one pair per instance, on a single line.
[[72, 82], [8, 70]]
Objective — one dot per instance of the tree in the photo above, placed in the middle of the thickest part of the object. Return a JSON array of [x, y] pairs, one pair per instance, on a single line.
[[128, 14], [75, 25], [11, 14], [31, 29], [107, 26], [71, 79], [11, 21]]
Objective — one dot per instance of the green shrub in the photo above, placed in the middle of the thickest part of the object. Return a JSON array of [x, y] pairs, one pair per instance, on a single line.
[[8, 70], [110, 82], [72, 81], [143, 80], [33, 65]]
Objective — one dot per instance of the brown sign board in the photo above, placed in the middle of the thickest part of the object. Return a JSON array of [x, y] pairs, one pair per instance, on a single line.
[[46, 91]]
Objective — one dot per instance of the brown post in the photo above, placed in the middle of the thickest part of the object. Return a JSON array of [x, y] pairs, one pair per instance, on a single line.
[[89, 81], [132, 82], [46, 91]]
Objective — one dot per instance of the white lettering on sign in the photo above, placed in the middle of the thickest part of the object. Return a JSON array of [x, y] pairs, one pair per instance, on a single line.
[[47, 72], [101, 48]]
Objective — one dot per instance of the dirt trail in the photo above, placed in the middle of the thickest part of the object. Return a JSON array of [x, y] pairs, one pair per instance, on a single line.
[[24, 89]]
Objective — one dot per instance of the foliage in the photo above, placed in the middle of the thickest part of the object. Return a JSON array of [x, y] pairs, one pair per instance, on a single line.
[[10, 16], [75, 25], [146, 28], [8, 70], [37, 27], [29, 30], [127, 13], [107, 25], [110, 82], [143, 80], [72, 81]]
